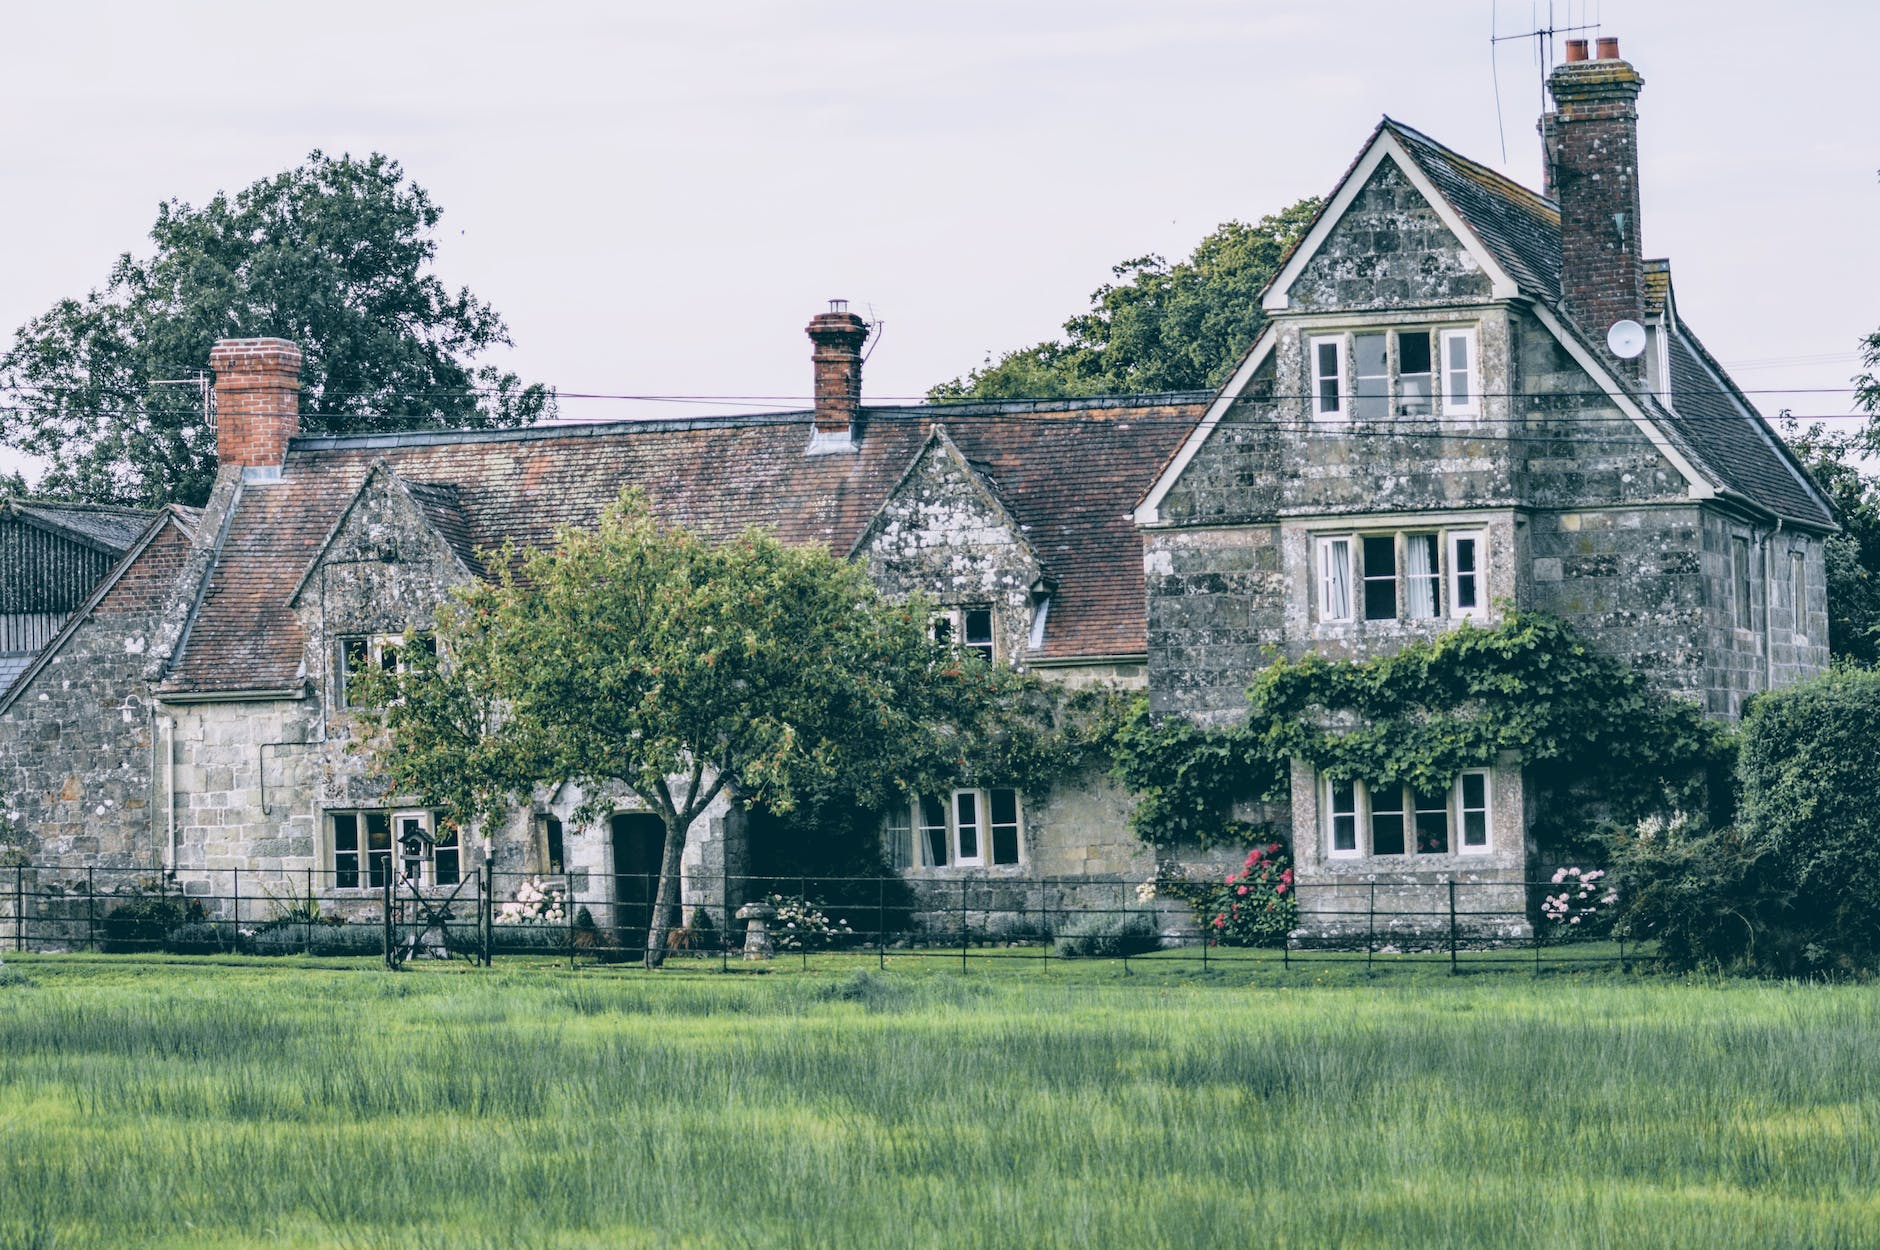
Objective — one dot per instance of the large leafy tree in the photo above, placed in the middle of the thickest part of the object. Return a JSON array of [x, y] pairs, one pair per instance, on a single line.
[[335, 255], [1853, 555], [642, 658], [1158, 326]]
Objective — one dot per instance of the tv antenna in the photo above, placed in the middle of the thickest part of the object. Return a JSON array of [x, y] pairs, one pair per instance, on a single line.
[[201, 383], [1543, 36]]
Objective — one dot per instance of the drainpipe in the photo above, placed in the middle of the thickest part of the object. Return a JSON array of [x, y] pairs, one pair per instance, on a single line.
[[169, 792]]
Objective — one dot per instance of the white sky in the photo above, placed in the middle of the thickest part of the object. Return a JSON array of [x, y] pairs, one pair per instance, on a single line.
[[657, 197]]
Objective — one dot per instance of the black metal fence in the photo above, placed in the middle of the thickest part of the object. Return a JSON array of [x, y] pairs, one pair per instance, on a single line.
[[591, 918]]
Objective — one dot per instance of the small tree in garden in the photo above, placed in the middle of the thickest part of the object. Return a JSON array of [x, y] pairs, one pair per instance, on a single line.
[[641, 656]]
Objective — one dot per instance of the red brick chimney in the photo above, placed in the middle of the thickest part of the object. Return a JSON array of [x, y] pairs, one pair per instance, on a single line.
[[1591, 151], [257, 401], [838, 335]]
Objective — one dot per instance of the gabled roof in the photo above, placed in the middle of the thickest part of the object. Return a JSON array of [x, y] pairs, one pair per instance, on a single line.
[[1703, 423], [1067, 471], [101, 527], [184, 519], [979, 474]]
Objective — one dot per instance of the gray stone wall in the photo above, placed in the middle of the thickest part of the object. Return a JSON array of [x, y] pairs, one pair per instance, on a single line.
[[1389, 250], [942, 533], [1217, 600]]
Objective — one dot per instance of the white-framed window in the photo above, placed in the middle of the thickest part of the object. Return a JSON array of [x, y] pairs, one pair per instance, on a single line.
[[1335, 578], [1467, 591], [1415, 378], [355, 653], [1462, 395], [969, 629], [1410, 575], [1798, 589], [1328, 376], [368, 845], [1370, 376], [1740, 581], [1401, 821], [969, 828]]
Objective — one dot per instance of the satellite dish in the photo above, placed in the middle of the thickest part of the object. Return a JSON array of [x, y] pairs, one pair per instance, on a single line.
[[1626, 338]]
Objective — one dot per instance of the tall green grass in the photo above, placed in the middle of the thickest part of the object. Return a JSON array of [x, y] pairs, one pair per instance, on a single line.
[[186, 1107]]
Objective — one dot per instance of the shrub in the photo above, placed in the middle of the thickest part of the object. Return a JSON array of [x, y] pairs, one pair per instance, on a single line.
[[143, 923], [1251, 906], [1099, 935], [1696, 891], [1579, 902], [535, 903], [207, 938], [802, 925], [1811, 805]]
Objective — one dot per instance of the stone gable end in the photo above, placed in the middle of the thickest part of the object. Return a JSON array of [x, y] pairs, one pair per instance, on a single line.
[[943, 532], [1389, 250]]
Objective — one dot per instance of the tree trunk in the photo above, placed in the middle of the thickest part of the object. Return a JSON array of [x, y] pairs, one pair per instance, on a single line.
[[667, 896]]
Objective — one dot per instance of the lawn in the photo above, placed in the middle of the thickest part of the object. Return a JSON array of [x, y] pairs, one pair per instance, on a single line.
[[151, 1103]]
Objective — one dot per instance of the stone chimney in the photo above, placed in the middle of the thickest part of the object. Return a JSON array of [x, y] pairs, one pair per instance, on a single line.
[[838, 335], [257, 401], [1590, 144]]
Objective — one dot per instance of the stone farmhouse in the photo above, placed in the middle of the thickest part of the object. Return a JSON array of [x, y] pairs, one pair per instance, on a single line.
[[1439, 422]]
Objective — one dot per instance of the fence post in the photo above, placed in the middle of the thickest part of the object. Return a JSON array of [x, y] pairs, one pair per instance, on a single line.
[[389, 941], [91, 912], [1370, 932], [19, 907], [881, 923], [488, 887], [1539, 934], [803, 894], [306, 923], [238, 909], [1044, 922], [567, 909], [1452, 926], [962, 924], [1122, 897], [724, 911]]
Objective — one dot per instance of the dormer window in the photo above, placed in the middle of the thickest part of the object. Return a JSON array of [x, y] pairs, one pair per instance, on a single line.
[[969, 629]]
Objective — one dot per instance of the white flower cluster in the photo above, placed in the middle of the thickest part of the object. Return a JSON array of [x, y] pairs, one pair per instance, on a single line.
[[1582, 898], [801, 924], [1145, 892], [535, 903]]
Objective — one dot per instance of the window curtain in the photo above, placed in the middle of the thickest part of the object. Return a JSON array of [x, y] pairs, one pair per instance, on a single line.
[[1338, 581], [1421, 567]]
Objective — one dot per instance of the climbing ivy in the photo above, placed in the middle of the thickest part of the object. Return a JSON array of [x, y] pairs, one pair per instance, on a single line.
[[1597, 742]]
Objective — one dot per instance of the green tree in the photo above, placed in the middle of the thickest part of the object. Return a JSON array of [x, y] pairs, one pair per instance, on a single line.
[[642, 657], [1853, 555], [334, 255], [1157, 327]]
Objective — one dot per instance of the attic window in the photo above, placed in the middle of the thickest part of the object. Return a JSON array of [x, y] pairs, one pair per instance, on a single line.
[[1395, 373], [970, 629], [391, 653]]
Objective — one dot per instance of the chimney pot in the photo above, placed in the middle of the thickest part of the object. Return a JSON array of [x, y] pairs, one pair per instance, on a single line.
[[1608, 49], [1576, 49], [257, 401], [838, 336]]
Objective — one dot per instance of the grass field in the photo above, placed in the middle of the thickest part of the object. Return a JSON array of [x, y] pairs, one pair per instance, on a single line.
[[164, 1104]]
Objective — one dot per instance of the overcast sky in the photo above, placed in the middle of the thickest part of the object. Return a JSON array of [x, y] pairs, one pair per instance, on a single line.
[[657, 197]]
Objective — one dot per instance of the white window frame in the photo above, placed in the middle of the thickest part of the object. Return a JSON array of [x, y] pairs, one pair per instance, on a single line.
[[395, 861], [1327, 611], [1446, 579], [1461, 826], [1454, 813], [955, 619], [1313, 344], [376, 646], [1452, 575], [1388, 378], [906, 823], [1400, 397], [1360, 821], [1451, 406]]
